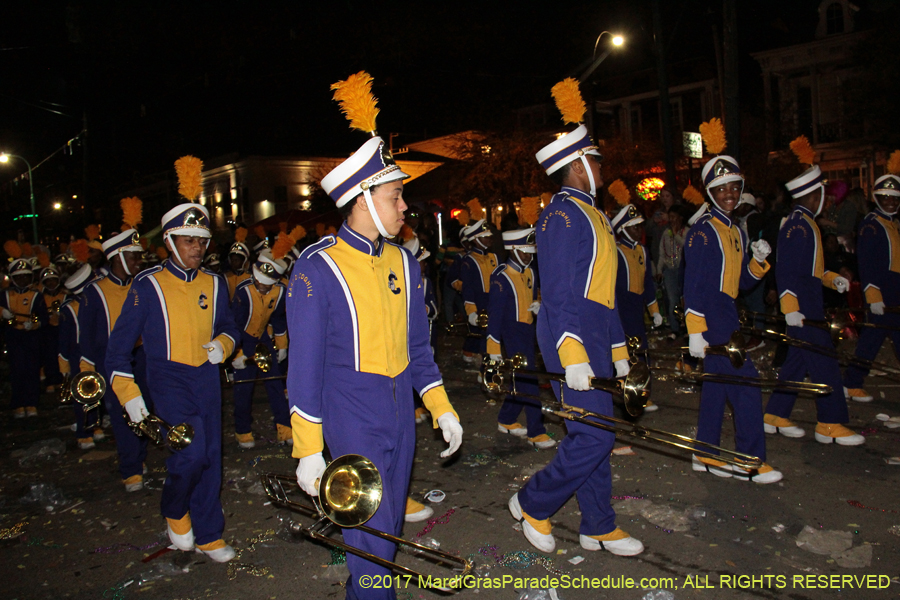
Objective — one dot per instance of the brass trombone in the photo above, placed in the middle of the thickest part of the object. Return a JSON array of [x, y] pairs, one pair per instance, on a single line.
[[767, 384], [350, 492], [262, 356], [87, 389], [34, 318], [494, 380], [735, 350]]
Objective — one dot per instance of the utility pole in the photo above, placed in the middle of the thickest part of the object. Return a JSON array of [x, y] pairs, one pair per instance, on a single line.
[[732, 104], [665, 110]]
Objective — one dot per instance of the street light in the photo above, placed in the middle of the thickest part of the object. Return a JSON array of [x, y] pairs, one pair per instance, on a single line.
[[4, 158], [617, 41], [57, 205]]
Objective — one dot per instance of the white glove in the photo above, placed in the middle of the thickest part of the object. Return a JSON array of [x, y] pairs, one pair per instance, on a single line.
[[495, 357], [697, 345], [452, 430], [535, 307], [877, 308], [216, 352], [136, 409], [240, 362], [473, 319], [281, 354], [309, 471], [578, 376], [7, 315], [794, 319], [841, 284], [27, 325], [657, 319], [761, 250], [622, 367]]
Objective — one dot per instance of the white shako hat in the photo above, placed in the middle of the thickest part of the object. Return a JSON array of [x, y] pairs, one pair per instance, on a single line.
[[520, 239], [268, 270]]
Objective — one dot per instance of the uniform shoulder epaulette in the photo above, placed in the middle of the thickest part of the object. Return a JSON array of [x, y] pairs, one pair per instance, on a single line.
[[326, 242], [499, 269], [148, 272], [244, 283]]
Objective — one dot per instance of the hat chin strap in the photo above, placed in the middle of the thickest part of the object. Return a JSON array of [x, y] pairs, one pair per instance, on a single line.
[[175, 251], [590, 175], [821, 201], [881, 208], [716, 204], [125, 265], [374, 214], [625, 233]]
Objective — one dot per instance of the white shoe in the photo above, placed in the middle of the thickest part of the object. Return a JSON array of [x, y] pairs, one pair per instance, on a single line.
[[98, 435], [542, 442], [837, 434], [88, 445], [716, 467], [422, 515], [857, 395], [774, 424], [105, 422], [469, 359], [651, 407], [511, 430], [219, 555], [764, 474], [182, 542], [625, 546], [134, 487], [542, 541]]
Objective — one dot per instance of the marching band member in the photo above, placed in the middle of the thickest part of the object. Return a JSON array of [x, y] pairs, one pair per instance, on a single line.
[[800, 274], [578, 331], [356, 300], [54, 294], [69, 354], [716, 266], [512, 307], [100, 306], [181, 314], [259, 302], [238, 259], [211, 263], [475, 273], [22, 305], [878, 248]]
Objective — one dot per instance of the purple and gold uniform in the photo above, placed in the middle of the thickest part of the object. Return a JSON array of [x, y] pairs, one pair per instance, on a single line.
[[175, 312], [357, 307], [475, 273], [635, 288], [716, 267], [578, 323], [254, 314], [800, 274], [23, 339], [54, 299]]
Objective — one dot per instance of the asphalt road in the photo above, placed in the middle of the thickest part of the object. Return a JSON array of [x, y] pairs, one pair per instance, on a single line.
[[705, 537]]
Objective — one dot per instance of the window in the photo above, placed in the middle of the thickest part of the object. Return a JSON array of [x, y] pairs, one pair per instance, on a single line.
[[834, 18]]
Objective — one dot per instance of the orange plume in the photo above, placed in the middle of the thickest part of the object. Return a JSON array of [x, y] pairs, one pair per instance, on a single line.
[[145, 243], [189, 170], [282, 227], [331, 230], [357, 102], [282, 246], [132, 211], [476, 211], [92, 232], [81, 250], [43, 259], [298, 233], [713, 134], [803, 150], [27, 250], [320, 229], [462, 217], [530, 210], [569, 101], [260, 231], [240, 234], [162, 253], [13, 249], [619, 191], [893, 165], [63, 248], [406, 233], [691, 195]]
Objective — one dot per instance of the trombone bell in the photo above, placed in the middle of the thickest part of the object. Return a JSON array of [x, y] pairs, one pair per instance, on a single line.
[[350, 489], [262, 357]]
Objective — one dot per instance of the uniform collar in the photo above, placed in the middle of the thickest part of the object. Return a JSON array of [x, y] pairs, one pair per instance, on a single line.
[[803, 210], [475, 250], [182, 274], [116, 280], [714, 211], [19, 290], [627, 242], [578, 194], [359, 242], [514, 265], [878, 212]]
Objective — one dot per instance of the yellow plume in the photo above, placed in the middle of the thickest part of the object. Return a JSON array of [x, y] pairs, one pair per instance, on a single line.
[[132, 211], [240, 234], [298, 233], [282, 246], [188, 168], [530, 210], [893, 165], [406, 233], [357, 102], [81, 251], [331, 230], [691, 195], [92, 232], [13, 249], [803, 151], [162, 252], [713, 134], [619, 191], [43, 259], [320, 229], [463, 217], [475, 209], [27, 250], [568, 100]]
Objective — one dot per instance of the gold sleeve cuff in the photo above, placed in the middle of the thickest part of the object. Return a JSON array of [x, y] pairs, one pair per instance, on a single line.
[[873, 295], [86, 366], [470, 308], [789, 303], [227, 344], [758, 269], [620, 353], [281, 342], [653, 308], [828, 279], [456, 285], [572, 352], [437, 403], [307, 437], [695, 323], [493, 346], [63, 365], [125, 388]]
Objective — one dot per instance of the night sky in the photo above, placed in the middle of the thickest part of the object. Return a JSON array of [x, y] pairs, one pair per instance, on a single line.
[[157, 80]]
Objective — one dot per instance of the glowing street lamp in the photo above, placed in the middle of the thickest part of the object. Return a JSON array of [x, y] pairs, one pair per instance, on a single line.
[[4, 158], [617, 41], [57, 205]]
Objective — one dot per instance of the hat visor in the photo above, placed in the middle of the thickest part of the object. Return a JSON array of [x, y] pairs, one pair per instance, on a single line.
[[260, 277], [527, 248], [886, 193], [723, 179], [189, 232]]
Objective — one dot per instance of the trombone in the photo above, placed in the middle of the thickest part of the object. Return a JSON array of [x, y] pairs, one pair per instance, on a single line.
[[481, 322], [840, 321], [493, 376], [87, 389], [350, 491]]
